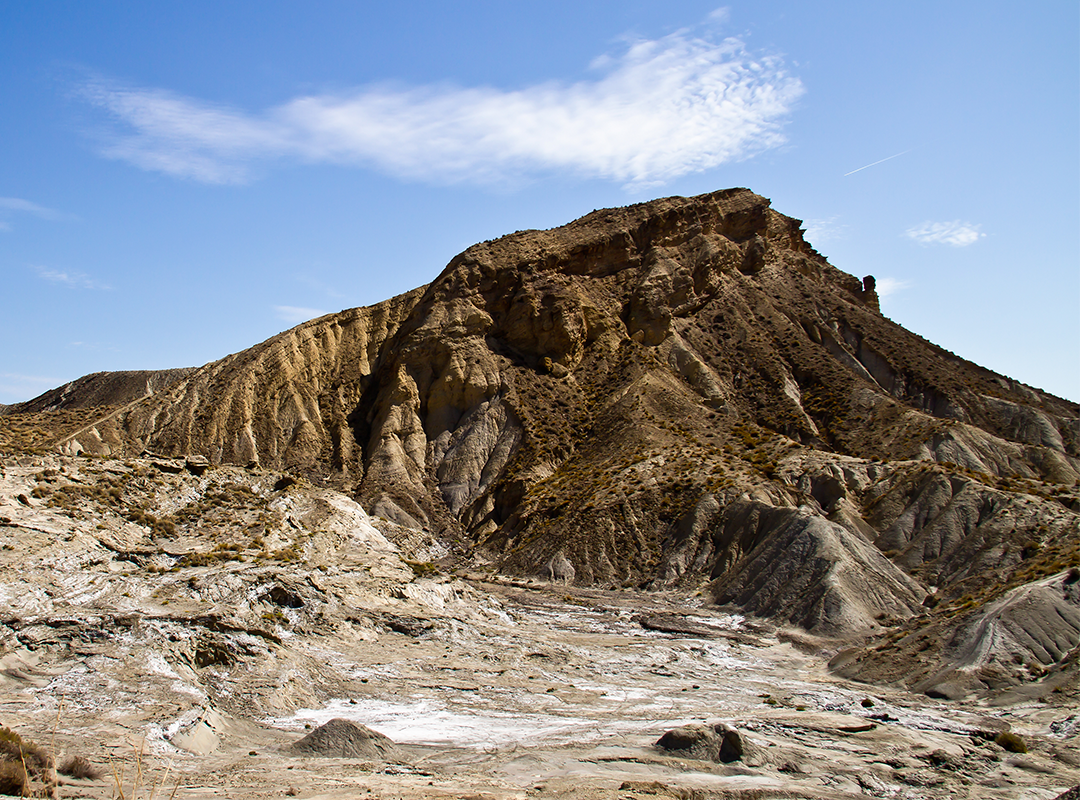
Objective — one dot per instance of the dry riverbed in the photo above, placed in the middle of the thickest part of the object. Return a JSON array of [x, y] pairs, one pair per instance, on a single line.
[[194, 680], [547, 692]]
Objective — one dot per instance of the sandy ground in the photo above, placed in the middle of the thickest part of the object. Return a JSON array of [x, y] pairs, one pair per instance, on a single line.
[[548, 692], [194, 682]]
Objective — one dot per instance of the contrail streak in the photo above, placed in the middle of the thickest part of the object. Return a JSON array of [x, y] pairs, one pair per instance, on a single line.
[[890, 158]]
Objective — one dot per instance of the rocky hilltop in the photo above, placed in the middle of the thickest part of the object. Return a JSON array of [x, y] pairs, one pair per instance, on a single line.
[[679, 393]]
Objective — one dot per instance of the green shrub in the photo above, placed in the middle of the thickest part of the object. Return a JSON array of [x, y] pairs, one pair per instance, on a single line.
[[422, 569], [285, 554]]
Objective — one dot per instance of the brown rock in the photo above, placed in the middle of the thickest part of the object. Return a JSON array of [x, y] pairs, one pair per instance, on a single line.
[[711, 742]]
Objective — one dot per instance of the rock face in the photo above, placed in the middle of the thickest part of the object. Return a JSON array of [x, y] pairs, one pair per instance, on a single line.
[[1029, 633], [674, 393], [806, 570]]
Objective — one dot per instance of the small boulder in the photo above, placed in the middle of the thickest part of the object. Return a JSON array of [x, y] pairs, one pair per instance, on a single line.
[[559, 568], [197, 465], [754, 257], [716, 741], [203, 735], [172, 466]]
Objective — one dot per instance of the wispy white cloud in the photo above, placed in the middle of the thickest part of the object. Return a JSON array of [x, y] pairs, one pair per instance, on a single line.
[[73, 280], [889, 286], [321, 286], [720, 16], [23, 387], [828, 229], [94, 346], [295, 314], [16, 205], [14, 376], [955, 233], [660, 109], [874, 164]]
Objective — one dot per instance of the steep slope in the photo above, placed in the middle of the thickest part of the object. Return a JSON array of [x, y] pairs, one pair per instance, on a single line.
[[283, 403], [76, 409], [600, 403]]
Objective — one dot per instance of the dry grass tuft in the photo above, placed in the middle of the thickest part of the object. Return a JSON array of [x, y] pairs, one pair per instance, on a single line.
[[22, 763], [79, 767], [13, 779]]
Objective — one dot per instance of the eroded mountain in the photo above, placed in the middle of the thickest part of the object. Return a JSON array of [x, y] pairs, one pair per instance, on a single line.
[[677, 393]]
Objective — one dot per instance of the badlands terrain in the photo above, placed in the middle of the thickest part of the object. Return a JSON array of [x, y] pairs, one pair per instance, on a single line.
[[655, 504]]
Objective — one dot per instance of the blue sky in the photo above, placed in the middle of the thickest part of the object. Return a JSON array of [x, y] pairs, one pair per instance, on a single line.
[[180, 181]]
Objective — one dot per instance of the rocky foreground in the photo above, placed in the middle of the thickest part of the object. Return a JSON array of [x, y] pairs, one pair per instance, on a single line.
[[182, 627]]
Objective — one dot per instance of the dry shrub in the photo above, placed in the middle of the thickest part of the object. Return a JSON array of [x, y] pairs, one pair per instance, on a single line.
[[79, 767], [13, 779], [21, 762], [1011, 742]]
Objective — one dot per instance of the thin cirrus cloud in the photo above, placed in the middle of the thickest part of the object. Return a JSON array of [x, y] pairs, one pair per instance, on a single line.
[[663, 108], [955, 233], [70, 279], [890, 286], [16, 205], [24, 385], [828, 229], [296, 314]]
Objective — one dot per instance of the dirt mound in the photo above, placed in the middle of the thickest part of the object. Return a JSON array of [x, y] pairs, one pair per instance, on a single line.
[[340, 738], [716, 741], [1029, 633]]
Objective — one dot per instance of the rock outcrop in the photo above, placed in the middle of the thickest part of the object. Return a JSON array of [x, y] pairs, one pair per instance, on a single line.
[[801, 568], [715, 741]]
